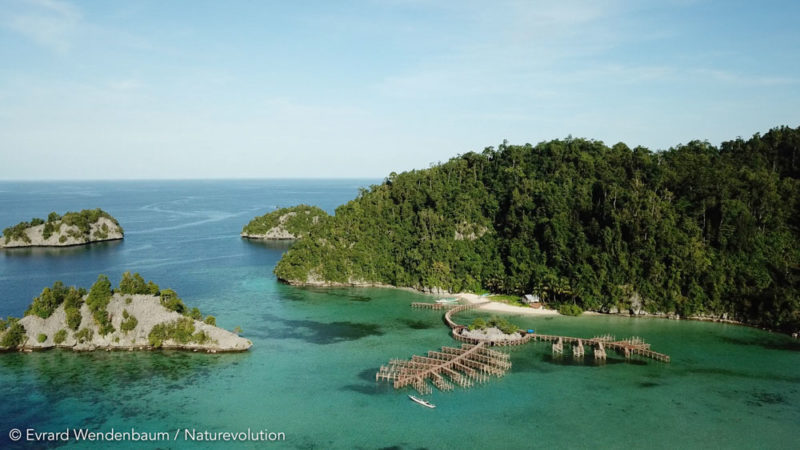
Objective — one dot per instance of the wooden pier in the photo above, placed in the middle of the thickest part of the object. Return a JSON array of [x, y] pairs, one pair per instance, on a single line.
[[461, 366], [474, 361], [448, 316], [435, 306], [628, 347]]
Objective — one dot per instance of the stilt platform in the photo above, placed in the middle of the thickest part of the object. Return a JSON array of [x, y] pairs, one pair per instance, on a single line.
[[461, 366]]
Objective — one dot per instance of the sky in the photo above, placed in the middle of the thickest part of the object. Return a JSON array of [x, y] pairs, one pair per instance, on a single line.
[[260, 89]]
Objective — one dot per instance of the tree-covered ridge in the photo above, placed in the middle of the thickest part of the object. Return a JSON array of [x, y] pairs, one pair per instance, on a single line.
[[285, 223], [78, 227], [693, 230]]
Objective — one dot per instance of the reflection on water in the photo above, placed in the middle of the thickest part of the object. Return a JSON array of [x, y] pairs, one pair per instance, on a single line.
[[44, 384], [277, 245], [49, 252], [57, 371]]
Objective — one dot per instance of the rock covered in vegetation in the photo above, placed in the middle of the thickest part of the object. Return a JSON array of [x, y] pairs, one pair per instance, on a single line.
[[137, 315], [73, 228], [490, 334], [285, 223], [695, 229]]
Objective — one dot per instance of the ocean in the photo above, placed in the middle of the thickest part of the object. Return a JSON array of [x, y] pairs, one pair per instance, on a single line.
[[310, 374]]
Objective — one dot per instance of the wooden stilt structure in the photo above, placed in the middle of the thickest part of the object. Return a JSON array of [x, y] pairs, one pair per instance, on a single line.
[[629, 347], [558, 347], [461, 366], [599, 351], [577, 349]]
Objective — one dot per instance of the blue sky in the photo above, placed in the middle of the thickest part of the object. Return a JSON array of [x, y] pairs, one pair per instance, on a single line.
[[194, 89]]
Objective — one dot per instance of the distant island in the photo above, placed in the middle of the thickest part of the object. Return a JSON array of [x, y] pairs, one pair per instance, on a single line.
[[284, 223], [695, 231], [73, 228], [138, 315]]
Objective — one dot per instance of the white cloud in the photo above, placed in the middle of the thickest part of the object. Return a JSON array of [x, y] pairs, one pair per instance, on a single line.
[[50, 23]]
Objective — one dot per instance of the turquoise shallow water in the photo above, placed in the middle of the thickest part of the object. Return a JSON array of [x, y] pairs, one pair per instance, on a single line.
[[310, 373]]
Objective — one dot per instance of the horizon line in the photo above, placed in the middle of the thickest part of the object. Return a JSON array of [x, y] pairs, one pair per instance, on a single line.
[[63, 180]]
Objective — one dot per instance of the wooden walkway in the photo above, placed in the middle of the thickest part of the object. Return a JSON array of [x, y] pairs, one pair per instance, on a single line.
[[628, 347], [422, 305], [474, 361], [449, 314], [462, 366]]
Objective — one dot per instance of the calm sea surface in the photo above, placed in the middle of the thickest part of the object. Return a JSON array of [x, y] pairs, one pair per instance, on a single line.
[[310, 373]]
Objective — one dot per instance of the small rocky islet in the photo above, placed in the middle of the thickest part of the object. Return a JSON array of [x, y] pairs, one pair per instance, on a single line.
[[137, 315], [284, 223], [73, 228]]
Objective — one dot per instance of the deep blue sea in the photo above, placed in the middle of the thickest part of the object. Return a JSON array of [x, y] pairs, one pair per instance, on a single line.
[[310, 373]]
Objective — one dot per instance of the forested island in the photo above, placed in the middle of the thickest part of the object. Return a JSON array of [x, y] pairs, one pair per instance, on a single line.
[[695, 231], [73, 228], [137, 315], [284, 223]]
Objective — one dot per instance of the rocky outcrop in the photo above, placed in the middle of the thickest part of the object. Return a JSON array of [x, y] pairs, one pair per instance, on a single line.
[[278, 232], [284, 224], [133, 318], [469, 231], [315, 280], [490, 334], [62, 233]]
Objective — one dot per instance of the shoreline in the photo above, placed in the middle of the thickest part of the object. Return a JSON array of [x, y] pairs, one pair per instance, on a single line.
[[255, 237], [5, 247], [469, 297], [510, 309], [118, 348], [132, 319]]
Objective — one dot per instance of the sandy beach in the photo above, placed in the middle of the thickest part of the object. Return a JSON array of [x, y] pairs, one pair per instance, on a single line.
[[504, 307]]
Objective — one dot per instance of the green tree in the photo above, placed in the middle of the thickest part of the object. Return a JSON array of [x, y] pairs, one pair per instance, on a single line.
[[171, 301], [97, 301], [134, 284], [14, 335], [694, 229]]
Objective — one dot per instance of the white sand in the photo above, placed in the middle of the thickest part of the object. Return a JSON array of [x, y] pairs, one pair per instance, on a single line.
[[504, 307]]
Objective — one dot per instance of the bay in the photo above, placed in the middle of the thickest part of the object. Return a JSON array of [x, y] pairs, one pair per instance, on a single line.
[[310, 373]]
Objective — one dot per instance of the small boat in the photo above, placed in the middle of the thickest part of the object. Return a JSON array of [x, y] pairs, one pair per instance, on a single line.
[[422, 402], [447, 300]]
